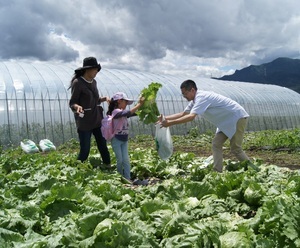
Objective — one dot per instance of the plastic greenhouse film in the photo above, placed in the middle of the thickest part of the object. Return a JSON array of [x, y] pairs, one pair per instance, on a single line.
[[163, 141]]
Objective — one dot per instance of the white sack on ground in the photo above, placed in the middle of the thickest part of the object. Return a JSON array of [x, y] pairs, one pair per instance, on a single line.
[[29, 146], [46, 145]]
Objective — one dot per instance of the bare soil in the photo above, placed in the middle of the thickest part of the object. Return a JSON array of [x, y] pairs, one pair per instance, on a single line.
[[283, 158]]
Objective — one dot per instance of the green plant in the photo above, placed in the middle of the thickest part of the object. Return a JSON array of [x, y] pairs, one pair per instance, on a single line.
[[148, 112], [52, 200]]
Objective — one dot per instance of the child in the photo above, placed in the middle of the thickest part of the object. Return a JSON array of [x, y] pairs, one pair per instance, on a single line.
[[119, 142]]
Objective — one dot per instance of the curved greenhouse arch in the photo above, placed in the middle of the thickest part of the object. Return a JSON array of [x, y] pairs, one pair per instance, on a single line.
[[34, 100]]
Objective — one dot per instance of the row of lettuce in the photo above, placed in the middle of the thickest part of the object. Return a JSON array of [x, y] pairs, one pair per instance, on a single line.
[[52, 200]]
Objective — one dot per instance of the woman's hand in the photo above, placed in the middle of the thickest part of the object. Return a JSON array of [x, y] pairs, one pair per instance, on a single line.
[[77, 108], [105, 99]]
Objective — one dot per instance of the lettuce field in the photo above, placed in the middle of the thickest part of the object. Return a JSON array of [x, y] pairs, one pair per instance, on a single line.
[[52, 200]]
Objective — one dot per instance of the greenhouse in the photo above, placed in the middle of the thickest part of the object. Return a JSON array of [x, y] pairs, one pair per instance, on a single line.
[[34, 101]]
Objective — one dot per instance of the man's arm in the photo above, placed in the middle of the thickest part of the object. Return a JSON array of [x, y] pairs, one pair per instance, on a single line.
[[181, 118], [175, 116]]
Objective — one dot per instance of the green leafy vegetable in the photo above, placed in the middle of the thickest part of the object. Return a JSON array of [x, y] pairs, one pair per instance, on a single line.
[[254, 193], [234, 239], [51, 200], [148, 112]]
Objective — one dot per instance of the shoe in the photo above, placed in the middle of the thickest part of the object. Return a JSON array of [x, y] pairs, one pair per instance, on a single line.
[[125, 180], [105, 166], [140, 182]]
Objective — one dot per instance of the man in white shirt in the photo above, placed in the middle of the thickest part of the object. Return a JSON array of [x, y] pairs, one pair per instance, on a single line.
[[228, 116]]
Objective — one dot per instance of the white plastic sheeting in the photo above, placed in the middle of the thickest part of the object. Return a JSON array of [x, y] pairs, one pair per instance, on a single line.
[[34, 101]]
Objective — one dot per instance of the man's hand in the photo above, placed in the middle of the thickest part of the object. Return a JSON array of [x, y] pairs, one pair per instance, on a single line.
[[162, 121], [159, 119], [165, 123]]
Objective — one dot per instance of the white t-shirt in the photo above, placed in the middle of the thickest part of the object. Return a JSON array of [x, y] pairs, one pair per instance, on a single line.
[[221, 111]]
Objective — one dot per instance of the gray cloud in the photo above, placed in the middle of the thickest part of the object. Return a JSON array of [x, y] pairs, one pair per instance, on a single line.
[[27, 30], [199, 37]]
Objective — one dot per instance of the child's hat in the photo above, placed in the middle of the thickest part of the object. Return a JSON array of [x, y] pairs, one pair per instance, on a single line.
[[122, 96]]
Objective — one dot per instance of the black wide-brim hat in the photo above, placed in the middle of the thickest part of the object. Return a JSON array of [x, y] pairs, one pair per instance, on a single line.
[[89, 62]]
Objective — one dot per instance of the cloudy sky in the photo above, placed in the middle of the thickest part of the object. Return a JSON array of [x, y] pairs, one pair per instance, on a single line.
[[191, 37]]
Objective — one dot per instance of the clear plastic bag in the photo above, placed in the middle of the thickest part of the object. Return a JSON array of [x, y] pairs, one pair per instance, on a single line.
[[163, 141]]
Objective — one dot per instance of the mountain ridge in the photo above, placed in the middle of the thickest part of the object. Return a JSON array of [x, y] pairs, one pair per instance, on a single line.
[[281, 71]]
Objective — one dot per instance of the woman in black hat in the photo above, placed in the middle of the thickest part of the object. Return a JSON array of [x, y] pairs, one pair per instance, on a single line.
[[85, 103]]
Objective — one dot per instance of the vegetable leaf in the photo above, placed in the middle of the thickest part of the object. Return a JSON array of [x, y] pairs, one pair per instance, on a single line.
[[148, 112]]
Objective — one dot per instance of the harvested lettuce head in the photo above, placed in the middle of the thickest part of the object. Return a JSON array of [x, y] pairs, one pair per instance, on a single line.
[[148, 112]]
